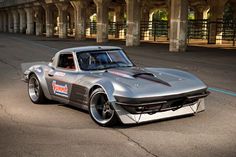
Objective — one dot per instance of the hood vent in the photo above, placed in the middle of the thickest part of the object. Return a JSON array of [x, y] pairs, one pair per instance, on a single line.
[[140, 74], [151, 77]]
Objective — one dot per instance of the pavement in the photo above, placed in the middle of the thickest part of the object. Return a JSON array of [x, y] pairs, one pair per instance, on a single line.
[[29, 130]]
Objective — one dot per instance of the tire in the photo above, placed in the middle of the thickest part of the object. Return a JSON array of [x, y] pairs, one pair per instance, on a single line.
[[35, 90], [101, 110]]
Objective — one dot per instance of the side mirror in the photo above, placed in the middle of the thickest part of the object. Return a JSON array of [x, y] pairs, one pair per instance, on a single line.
[[51, 66]]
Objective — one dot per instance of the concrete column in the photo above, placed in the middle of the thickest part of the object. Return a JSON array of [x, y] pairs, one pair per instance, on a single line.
[[120, 19], [145, 12], [133, 23], [16, 21], [169, 17], [5, 22], [216, 17], [22, 20], [198, 14], [38, 20], [80, 7], [178, 26], [62, 14], [49, 21], [71, 20], [10, 21], [1, 21], [120, 13], [201, 13], [234, 11], [102, 20], [205, 14], [30, 21]]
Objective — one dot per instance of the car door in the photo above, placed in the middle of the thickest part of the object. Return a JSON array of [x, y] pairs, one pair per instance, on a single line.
[[61, 77]]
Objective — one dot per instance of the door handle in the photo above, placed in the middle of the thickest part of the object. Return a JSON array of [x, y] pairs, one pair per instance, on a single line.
[[51, 75]]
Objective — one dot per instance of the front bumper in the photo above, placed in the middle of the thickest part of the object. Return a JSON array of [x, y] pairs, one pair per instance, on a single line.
[[141, 105], [132, 118]]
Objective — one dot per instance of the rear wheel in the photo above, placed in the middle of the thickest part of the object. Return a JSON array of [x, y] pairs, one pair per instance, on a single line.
[[100, 109], [35, 90]]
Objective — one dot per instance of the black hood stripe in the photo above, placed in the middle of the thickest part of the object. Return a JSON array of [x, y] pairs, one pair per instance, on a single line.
[[138, 73], [150, 77]]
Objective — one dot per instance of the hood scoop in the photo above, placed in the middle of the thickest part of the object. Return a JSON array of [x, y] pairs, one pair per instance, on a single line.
[[143, 73], [151, 77]]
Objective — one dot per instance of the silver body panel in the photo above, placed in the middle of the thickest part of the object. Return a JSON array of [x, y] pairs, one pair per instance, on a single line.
[[76, 86]]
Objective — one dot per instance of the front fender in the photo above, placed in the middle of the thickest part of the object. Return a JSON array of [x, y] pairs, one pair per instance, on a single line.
[[40, 73], [108, 88]]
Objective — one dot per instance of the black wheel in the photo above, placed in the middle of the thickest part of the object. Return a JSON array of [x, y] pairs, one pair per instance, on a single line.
[[100, 109], [35, 90]]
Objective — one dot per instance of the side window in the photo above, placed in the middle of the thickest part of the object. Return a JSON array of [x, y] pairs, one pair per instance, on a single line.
[[66, 61]]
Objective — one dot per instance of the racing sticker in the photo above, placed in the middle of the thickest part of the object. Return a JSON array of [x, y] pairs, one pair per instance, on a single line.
[[61, 90], [61, 74]]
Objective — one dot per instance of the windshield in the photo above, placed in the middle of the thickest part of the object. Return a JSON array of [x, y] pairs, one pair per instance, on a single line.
[[104, 59]]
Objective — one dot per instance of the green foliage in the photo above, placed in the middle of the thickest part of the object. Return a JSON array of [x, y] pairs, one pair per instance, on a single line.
[[191, 15], [160, 15], [163, 15], [110, 16], [228, 11]]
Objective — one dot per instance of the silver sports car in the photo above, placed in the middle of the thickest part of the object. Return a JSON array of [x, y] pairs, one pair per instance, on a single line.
[[103, 80]]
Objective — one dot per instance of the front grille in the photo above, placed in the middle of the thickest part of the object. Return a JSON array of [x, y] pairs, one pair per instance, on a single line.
[[161, 106]]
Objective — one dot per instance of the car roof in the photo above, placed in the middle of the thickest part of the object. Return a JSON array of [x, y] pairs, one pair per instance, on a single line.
[[89, 48]]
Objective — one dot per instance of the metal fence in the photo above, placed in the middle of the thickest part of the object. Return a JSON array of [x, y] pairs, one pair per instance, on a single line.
[[158, 30], [117, 30], [91, 29], [203, 29], [229, 31], [152, 30], [198, 29]]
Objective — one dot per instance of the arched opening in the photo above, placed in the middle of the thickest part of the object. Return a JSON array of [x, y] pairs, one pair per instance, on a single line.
[[154, 25], [117, 20], [10, 22], [39, 21], [51, 14], [91, 29], [91, 21], [70, 21]]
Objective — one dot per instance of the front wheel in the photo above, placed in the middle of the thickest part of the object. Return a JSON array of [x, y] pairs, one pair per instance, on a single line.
[[35, 90], [100, 109]]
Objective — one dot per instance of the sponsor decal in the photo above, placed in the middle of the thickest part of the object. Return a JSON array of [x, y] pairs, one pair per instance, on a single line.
[[59, 74], [61, 90]]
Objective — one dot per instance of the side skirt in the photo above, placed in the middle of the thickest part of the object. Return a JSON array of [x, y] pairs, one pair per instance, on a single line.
[[79, 106]]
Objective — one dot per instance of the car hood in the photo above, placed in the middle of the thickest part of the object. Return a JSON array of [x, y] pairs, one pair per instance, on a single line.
[[152, 82]]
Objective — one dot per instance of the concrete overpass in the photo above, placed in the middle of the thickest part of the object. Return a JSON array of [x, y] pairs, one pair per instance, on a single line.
[[62, 17]]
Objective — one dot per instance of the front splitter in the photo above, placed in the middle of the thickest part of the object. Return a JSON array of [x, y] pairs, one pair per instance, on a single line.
[[128, 118]]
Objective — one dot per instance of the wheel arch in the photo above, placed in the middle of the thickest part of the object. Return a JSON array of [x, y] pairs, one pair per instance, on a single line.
[[40, 75], [106, 86], [110, 98], [93, 89]]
